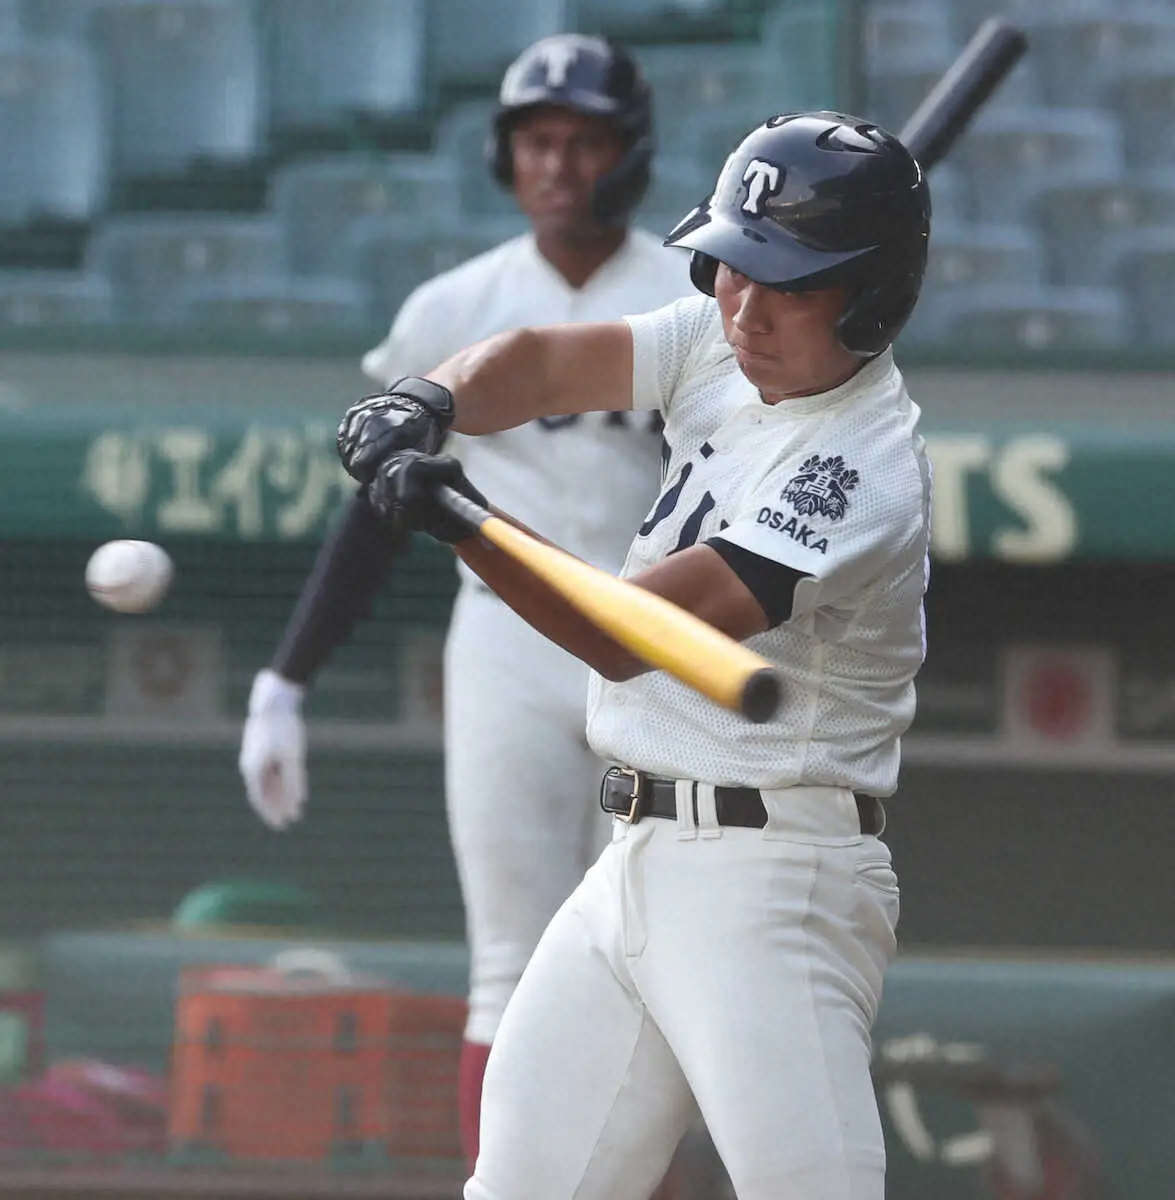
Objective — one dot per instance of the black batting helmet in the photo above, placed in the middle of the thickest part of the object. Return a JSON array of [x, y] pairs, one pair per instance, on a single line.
[[819, 199], [588, 75]]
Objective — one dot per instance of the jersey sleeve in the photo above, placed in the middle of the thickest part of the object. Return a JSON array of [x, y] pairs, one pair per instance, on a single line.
[[838, 520], [663, 342], [419, 340]]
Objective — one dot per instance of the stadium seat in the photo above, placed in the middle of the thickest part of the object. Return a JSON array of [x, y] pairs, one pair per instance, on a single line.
[[182, 81], [964, 255], [1145, 268], [608, 14], [390, 260], [52, 133], [147, 257], [1012, 154], [735, 85], [1077, 53], [1080, 222], [269, 306], [1011, 316], [326, 62], [898, 82], [805, 41], [893, 29], [465, 42], [715, 134], [678, 185], [905, 47], [644, 21], [894, 90], [11, 25], [317, 199], [972, 254], [61, 299], [970, 14], [1143, 99], [461, 138], [56, 18], [950, 194]]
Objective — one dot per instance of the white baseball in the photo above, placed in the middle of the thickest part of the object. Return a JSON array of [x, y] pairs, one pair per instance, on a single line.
[[129, 576]]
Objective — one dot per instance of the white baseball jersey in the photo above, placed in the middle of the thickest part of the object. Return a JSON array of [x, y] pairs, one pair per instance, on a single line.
[[584, 482], [836, 486]]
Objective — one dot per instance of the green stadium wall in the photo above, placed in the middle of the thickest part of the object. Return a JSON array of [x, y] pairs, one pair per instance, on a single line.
[[1037, 773]]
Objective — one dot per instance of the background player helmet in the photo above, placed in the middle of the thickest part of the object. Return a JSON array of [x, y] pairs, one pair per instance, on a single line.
[[588, 75], [815, 200]]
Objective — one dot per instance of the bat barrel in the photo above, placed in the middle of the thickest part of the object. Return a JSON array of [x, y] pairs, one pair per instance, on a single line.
[[661, 634]]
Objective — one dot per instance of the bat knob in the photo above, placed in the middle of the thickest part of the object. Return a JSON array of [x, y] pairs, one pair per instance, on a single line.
[[762, 695]]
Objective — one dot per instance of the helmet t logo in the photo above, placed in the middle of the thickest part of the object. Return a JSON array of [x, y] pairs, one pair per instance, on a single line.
[[762, 180], [557, 60]]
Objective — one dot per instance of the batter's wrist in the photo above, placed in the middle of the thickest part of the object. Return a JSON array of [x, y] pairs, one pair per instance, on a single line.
[[434, 397], [273, 693]]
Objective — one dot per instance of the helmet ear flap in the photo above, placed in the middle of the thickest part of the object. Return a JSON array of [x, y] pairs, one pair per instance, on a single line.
[[498, 154], [875, 316], [861, 331], [702, 271], [619, 191]]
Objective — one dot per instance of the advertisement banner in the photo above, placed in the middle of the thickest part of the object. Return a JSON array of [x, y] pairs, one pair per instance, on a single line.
[[1020, 496]]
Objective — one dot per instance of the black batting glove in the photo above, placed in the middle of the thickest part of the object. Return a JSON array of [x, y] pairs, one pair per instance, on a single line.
[[404, 494], [413, 414]]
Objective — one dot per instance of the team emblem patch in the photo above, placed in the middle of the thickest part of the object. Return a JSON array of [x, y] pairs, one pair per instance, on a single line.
[[763, 180], [821, 486], [558, 60]]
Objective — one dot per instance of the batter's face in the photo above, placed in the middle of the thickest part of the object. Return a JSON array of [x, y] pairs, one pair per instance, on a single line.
[[558, 156], [785, 342]]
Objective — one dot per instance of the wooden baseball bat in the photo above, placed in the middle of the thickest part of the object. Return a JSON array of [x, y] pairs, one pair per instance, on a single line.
[[941, 118], [656, 630]]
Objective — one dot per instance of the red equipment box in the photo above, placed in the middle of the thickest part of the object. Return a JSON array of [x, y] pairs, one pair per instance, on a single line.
[[275, 1065]]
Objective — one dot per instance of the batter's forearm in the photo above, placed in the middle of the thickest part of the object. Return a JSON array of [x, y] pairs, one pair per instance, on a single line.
[[493, 383], [544, 609], [556, 370]]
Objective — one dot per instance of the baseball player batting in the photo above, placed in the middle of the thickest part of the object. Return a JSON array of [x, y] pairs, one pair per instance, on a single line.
[[573, 139], [729, 945]]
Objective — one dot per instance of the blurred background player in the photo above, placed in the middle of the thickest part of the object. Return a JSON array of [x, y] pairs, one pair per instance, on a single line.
[[573, 139]]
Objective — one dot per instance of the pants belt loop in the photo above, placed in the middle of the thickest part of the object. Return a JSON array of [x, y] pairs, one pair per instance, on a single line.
[[683, 790], [708, 826]]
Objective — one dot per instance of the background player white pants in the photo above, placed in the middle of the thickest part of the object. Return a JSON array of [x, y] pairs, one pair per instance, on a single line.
[[745, 965], [522, 790]]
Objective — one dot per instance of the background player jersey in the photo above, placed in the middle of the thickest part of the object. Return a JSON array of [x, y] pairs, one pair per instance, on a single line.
[[835, 485], [584, 482]]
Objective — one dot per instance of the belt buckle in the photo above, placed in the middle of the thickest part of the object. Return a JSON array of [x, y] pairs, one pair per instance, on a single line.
[[634, 808]]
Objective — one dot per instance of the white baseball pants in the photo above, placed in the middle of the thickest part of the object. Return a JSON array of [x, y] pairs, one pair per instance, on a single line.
[[521, 790], [739, 967]]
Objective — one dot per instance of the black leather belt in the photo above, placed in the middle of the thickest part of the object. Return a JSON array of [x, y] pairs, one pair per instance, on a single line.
[[632, 795]]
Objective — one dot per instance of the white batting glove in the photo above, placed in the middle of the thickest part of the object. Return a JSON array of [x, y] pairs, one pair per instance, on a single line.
[[273, 750]]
